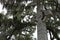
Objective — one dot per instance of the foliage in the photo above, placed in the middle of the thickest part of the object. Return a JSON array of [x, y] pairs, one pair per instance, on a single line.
[[16, 25], [52, 17]]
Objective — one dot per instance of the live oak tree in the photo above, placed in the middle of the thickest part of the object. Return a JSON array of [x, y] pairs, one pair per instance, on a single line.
[[47, 18]]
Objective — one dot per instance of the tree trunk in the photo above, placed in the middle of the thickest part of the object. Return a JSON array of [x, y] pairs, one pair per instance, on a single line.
[[41, 27]]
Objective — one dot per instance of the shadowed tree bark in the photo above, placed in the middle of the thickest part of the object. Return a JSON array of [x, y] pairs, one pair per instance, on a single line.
[[41, 27]]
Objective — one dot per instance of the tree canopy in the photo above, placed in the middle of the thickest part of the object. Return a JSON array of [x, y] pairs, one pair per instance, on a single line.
[[51, 13], [22, 23]]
